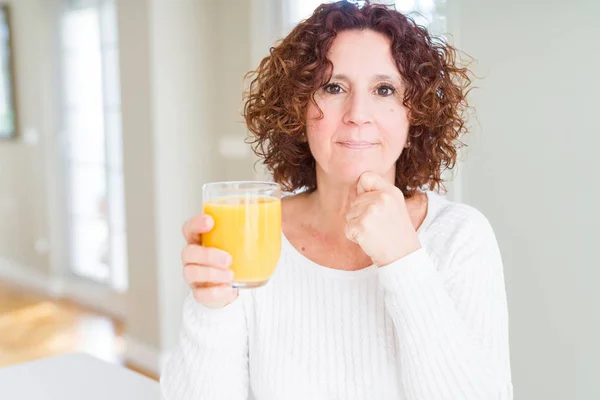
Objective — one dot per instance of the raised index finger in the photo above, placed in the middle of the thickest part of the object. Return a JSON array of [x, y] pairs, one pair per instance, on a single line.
[[195, 227]]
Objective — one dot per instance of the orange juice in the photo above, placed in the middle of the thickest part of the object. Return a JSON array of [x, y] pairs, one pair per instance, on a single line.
[[250, 230]]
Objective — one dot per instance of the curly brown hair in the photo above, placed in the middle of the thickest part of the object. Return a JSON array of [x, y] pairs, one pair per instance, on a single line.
[[287, 79]]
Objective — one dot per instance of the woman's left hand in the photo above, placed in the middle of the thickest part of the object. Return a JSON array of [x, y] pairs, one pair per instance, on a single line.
[[379, 221]]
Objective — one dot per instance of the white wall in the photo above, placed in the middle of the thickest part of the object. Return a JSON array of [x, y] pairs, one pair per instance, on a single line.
[[182, 103], [142, 320], [24, 200], [532, 169]]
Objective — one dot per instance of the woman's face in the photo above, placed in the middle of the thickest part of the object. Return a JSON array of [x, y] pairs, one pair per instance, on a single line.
[[364, 125]]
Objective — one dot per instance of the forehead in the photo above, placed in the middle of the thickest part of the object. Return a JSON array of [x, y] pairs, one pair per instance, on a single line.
[[364, 50]]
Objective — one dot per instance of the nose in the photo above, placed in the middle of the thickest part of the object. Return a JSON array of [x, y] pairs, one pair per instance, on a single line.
[[358, 111]]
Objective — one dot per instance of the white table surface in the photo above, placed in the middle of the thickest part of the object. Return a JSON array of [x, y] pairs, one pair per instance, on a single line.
[[74, 377]]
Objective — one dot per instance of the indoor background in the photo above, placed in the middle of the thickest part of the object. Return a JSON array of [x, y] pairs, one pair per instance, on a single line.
[[113, 113]]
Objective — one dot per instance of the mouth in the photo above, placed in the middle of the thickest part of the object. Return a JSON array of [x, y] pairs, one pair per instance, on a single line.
[[357, 145]]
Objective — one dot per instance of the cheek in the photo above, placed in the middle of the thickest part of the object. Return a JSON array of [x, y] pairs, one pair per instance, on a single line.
[[312, 112], [397, 115], [395, 124], [320, 129]]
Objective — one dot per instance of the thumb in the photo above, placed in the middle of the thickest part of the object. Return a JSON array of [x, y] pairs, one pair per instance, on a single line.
[[370, 182]]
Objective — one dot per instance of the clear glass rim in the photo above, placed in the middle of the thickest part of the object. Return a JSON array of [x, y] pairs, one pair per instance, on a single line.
[[257, 185], [241, 188]]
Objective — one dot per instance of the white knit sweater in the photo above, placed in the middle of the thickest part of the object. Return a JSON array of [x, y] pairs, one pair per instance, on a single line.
[[432, 325]]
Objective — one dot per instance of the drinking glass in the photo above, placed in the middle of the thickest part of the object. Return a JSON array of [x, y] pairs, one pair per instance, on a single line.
[[247, 216]]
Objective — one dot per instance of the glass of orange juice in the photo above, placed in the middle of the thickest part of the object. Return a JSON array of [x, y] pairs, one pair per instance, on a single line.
[[247, 217]]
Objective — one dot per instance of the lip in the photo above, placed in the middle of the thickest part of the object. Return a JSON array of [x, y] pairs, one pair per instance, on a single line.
[[357, 145]]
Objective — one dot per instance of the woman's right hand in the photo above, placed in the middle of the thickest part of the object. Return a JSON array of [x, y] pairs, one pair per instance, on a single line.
[[206, 269]]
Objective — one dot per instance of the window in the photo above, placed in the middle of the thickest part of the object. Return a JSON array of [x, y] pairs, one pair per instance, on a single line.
[[298, 10], [429, 13], [7, 104], [92, 129]]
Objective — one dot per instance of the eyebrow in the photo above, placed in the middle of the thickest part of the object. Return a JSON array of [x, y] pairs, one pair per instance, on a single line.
[[379, 77]]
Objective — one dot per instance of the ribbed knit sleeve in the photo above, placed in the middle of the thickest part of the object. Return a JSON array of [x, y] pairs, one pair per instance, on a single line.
[[211, 360], [452, 325]]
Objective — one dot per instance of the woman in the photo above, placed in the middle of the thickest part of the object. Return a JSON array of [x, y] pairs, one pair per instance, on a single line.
[[383, 290]]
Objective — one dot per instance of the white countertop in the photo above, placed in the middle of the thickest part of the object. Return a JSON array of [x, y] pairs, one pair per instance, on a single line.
[[74, 377]]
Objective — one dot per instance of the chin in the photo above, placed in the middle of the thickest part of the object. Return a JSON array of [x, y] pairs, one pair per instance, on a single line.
[[351, 175]]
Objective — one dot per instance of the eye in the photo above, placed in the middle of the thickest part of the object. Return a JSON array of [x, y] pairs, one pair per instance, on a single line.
[[333, 88], [385, 90]]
